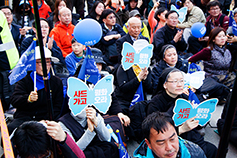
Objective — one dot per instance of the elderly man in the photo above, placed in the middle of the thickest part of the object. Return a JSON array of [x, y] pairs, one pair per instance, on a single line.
[[161, 140], [134, 29], [16, 30], [32, 104], [168, 34], [62, 33]]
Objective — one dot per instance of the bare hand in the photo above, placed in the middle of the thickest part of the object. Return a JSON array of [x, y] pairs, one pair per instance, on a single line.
[[91, 114], [90, 125], [50, 42], [188, 125], [143, 74], [55, 131], [156, 5], [33, 96], [231, 39], [206, 38], [125, 120], [139, 4], [121, 2], [22, 31], [178, 36]]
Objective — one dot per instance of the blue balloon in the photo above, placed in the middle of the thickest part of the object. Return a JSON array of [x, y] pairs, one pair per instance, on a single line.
[[198, 30], [88, 32]]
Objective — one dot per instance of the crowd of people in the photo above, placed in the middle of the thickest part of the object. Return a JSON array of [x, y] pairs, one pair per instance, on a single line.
[[86, 134]]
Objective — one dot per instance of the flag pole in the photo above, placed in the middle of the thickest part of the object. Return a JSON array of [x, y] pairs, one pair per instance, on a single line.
[[43, 63]]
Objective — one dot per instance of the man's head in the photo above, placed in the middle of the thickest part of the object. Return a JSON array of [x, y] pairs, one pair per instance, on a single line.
[[134, 27], [77, 48], [98, 58], [65, 16], [8, 13], [160, 135], [108, 17], [31, 140], [172, 19], [188, 4], [48, 57], [134, 13], [214, 8]]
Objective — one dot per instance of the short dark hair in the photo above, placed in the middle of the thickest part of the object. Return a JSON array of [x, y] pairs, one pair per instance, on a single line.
[[158, 121], [73, 40], [213, 4], [158, 12], [33, 23], [170, 12], [31, 139], [105, 13], [5, 7]]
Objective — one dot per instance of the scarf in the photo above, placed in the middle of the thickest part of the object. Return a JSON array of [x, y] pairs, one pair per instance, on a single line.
[[39, 80]]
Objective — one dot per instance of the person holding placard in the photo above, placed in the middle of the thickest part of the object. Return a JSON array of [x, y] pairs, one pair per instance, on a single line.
[[30, 101], [170, 88]]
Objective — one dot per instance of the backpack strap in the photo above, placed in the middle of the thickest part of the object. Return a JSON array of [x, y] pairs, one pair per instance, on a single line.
[[222, 19]]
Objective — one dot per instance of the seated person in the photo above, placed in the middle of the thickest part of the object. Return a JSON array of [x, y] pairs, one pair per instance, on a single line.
[[32, 139], [44, 9], [216, 58], [144, 31], [111, 33], [161, 139], [170, 88], [47, 41], [194, 14], [74, 57], [18, 33], [221, 122], [91, 135], [32, 104], [128, 83], [215, 19]]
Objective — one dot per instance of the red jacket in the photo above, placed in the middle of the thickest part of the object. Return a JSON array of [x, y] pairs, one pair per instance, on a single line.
[[63, 37], [44, 10]]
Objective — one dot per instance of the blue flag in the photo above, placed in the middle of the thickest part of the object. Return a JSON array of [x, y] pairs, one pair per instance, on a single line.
[[192, 97], [122, 150], [25, 63], [138, 96], [192, 67], [232, 23], [89, 71]]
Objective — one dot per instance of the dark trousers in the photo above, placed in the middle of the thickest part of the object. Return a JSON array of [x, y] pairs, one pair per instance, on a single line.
[[195, 45]]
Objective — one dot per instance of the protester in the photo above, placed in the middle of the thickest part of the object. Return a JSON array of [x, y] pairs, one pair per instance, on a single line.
[[111, 33], [28, 17], [79, 6], [216, 58], [169, 34], [194, 14], [53, 19], [171, 87], [134, 5], [31, 104], [161, 139], [32, 139], [134, 29], [62, 33], [18, 33], [156, 19], [144, 30], [215, 19], [44, 9], [74, 57], [88, 130], [47, 42], [96, 11]]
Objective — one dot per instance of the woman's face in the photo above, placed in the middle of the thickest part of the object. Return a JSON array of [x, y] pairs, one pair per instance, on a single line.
[[44, 28], [61, 5], [171, 57], [220, 39], [99, 9], [162, 16], [175, 84]]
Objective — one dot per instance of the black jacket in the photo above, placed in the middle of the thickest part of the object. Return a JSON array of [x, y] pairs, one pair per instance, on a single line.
[[36, 110], [165, 35]]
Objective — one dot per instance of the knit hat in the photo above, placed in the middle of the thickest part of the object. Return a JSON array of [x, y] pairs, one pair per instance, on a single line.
[[98, 56], [164, 48]]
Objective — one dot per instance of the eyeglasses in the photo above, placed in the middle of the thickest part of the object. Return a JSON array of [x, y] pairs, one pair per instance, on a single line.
[[176, 81], [47, 62], [217, 8], [8, 14]]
